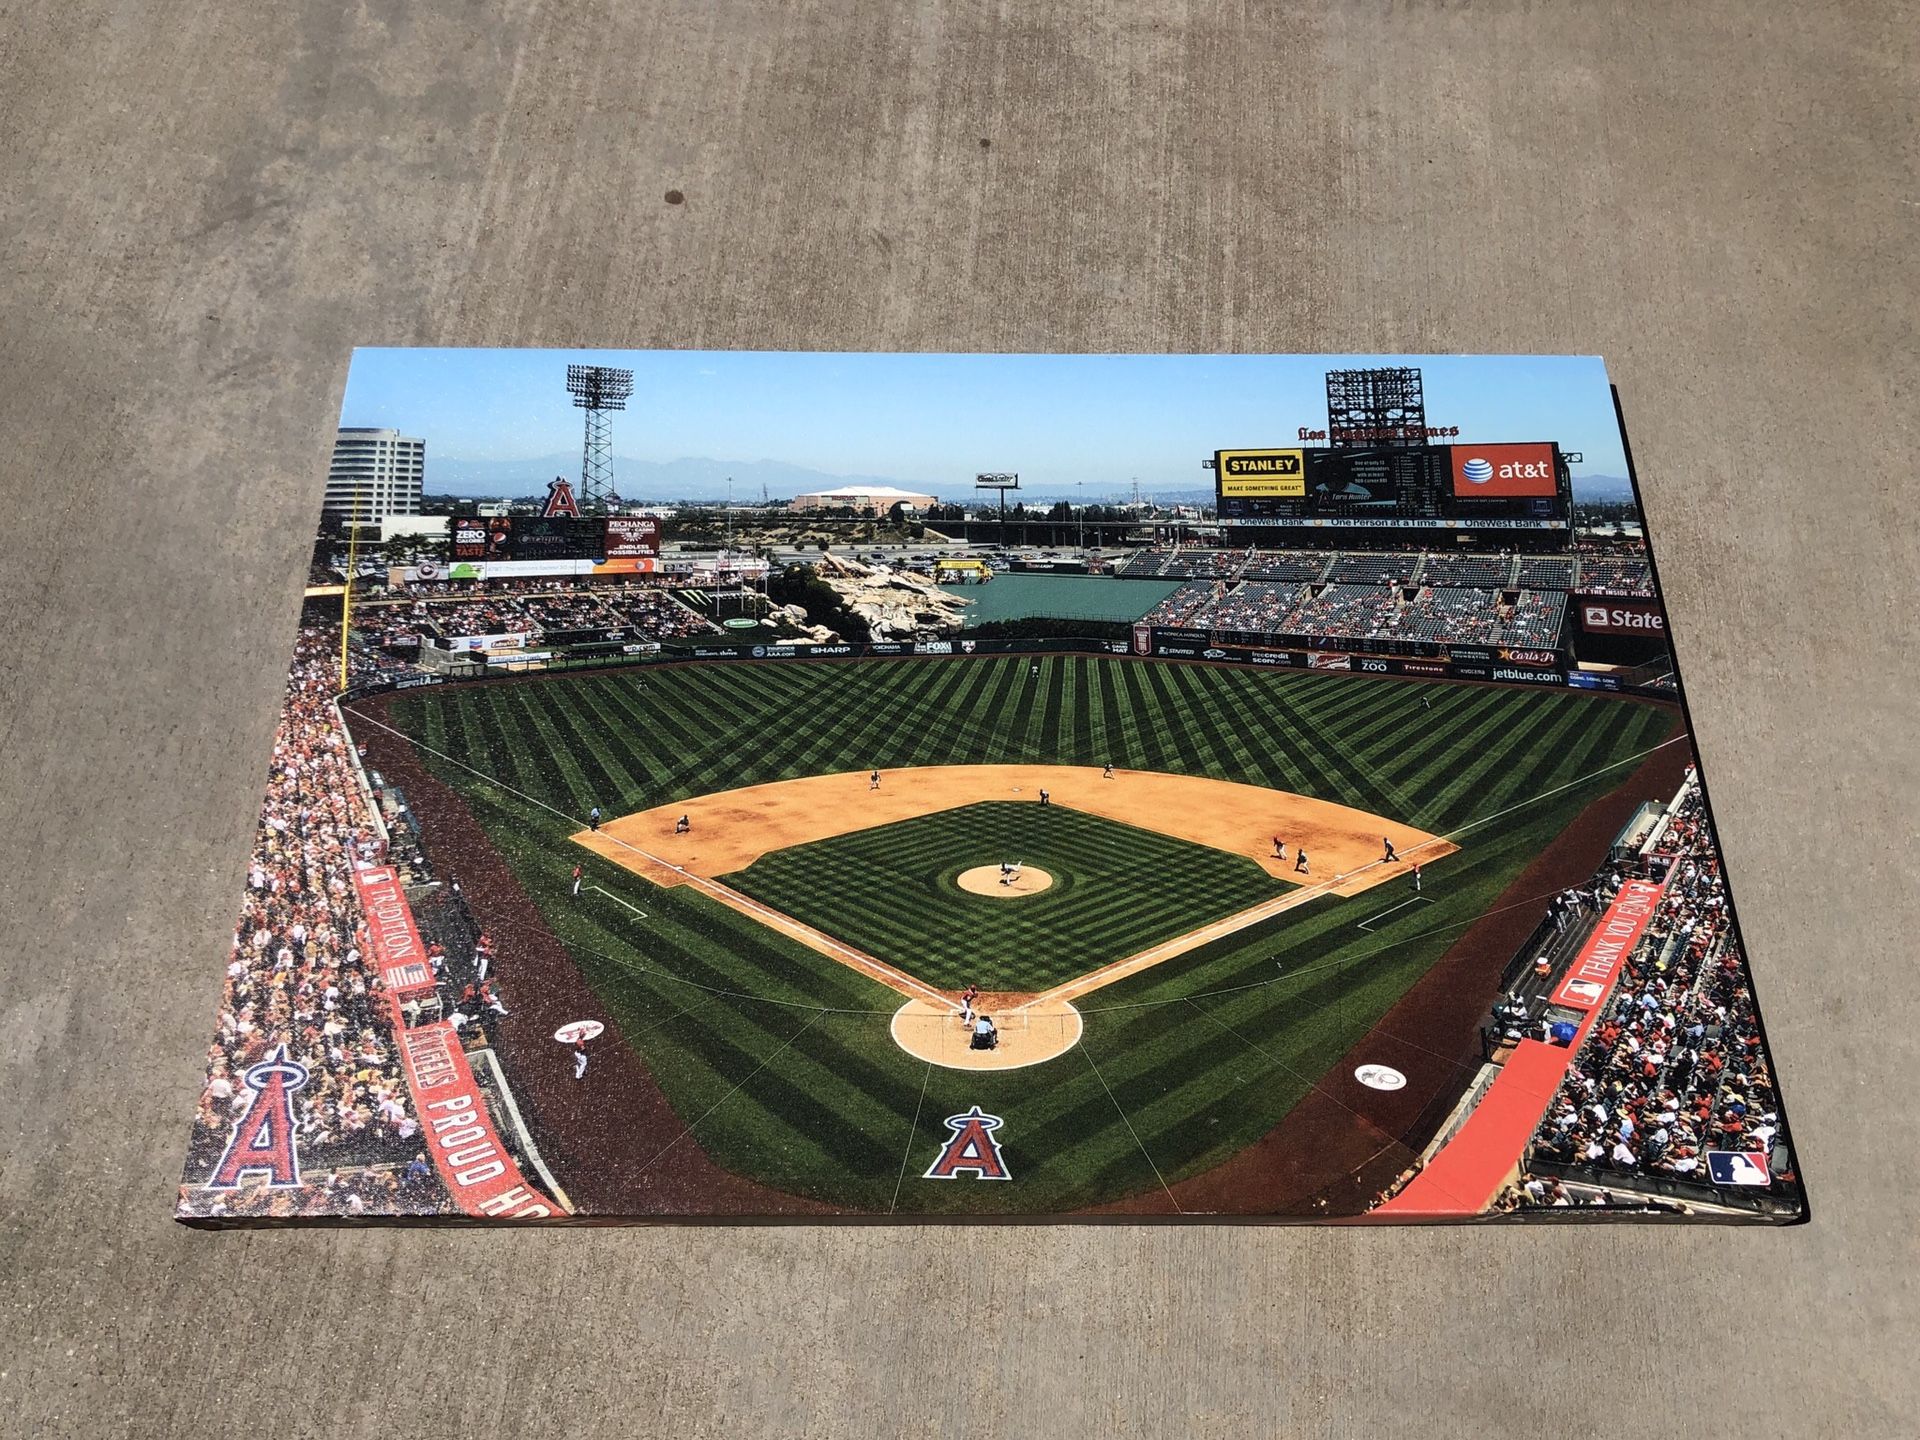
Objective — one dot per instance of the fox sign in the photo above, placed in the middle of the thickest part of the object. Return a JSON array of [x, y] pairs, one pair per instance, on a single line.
[[1503, 472]]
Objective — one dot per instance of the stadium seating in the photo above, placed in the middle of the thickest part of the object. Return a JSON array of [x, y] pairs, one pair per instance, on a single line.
[[1287, 565], [1488, 572], [1673, 1065], [1368, 612], [1616, 575], [1370, 568], [1203, 564], [297, 976]]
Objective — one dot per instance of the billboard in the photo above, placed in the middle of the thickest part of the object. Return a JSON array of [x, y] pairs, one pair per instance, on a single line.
[[629, 536], [1265, 474], [1504, 472], [1615, 615], [1514, 485]]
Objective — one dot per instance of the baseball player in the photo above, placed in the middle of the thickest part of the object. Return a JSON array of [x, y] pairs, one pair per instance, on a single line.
[[1390, 857], [1107, 774], [1300, 862], [967, 998], [1046, 798], [593, 818], [1426, 702], [1416, 877], [1034, 673], [576, 882], [873, 781], [1279, 848], [683, 825], [579, 1060]]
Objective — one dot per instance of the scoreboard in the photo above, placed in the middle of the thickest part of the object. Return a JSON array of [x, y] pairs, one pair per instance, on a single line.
[[1501, 486], [558, 537]]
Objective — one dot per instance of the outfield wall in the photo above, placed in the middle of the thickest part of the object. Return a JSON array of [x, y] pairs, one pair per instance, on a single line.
[[1487, 664]]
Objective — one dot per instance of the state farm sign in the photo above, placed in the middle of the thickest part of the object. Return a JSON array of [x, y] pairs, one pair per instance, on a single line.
[[1611, 615]]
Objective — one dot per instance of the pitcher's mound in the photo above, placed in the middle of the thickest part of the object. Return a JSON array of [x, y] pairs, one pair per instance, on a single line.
[[985, 880]]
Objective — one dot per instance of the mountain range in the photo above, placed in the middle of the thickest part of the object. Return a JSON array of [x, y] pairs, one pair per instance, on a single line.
[[698, 478]]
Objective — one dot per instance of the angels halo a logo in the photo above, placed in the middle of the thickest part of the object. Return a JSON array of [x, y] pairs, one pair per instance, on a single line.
[[1477, 470]]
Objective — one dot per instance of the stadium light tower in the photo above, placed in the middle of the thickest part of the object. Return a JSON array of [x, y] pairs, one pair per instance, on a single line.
[[598, 390]]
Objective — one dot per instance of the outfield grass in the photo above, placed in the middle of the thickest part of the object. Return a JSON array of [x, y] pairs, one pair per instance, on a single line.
[[1116, 889], [786, 1054]]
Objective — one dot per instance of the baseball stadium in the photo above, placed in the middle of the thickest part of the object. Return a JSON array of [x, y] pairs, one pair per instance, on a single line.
[[1274, 875]]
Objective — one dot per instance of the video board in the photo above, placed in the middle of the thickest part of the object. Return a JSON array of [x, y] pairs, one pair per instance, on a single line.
[[1504, 485], [559, 537]]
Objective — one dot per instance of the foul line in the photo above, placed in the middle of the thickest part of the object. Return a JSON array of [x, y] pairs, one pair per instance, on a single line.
[[1367, 924], [913, 1132], [1172, 1199], [856, 960], [618, 901], [726, 1097]]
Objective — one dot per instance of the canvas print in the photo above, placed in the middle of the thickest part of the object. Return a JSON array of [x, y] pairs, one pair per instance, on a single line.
[[958, 787]]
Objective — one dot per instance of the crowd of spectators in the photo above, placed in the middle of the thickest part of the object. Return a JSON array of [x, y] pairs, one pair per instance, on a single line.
[[659, 614], [297, 976], [1255, 607], [1616, 575], [1605, 572], [493, 615], [1369, 612], [1673, 1065], [1180, 608], [568, 610], [440, 611], [1197, 564], [1287, 565]]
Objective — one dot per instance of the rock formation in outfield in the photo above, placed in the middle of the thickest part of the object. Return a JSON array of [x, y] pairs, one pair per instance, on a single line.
[[896, 604]]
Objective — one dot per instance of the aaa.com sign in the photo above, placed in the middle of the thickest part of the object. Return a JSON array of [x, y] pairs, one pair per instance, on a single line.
[[1611, 615]]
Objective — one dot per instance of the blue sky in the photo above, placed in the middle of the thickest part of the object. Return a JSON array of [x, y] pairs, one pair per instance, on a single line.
[[936, 420]]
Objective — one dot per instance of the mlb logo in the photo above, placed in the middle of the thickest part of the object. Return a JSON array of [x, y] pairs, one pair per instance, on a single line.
[[1585, 990], [1596, 614], [1738, 1167]]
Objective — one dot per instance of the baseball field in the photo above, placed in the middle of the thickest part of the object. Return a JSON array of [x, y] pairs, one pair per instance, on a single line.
[[786, 964]]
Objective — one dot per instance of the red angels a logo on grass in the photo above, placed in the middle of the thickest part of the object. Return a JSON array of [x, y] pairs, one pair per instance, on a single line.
[[263, 1142], [971, 1148]]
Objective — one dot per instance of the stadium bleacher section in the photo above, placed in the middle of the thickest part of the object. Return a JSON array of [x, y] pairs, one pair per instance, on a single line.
[[297, 976], [1369, 612], [439, 613], [1674, 1067], [1603, 572]]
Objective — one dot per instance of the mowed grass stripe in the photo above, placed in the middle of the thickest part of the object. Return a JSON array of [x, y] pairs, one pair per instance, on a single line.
[[1193, 1094], [1118, 889]]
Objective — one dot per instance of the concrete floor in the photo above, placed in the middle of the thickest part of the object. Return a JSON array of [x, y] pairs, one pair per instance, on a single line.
[[205, 207]]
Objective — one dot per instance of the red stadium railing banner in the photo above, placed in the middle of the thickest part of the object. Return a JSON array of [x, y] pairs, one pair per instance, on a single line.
[[1590, 978], [474, 1164], [1462, 1179]]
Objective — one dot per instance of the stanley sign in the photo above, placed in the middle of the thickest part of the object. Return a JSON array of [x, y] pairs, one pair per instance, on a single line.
[[1261, 474]]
